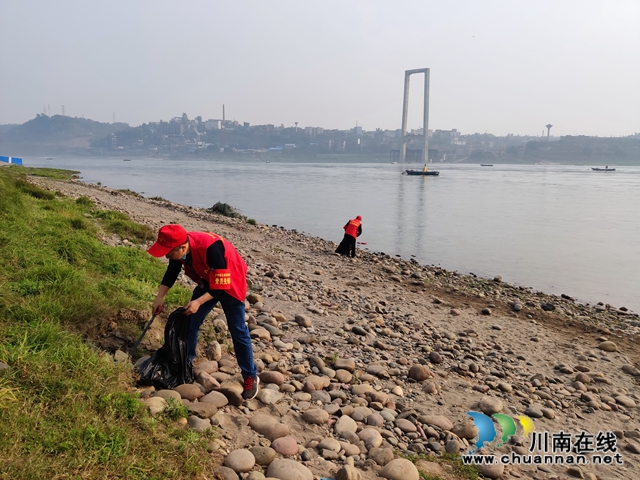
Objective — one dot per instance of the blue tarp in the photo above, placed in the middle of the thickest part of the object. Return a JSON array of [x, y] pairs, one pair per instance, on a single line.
[[12, 160]]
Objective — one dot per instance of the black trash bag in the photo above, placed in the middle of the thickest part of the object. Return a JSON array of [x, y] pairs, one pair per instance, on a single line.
[[170, 365]]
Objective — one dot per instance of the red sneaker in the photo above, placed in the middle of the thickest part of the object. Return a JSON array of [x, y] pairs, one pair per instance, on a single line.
[[250, 387]]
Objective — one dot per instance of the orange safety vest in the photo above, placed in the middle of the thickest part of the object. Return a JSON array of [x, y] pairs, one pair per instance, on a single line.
[[232, 279], [351, 228]]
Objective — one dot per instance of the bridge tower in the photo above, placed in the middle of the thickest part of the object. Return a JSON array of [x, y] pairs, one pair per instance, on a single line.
[[425, 115]]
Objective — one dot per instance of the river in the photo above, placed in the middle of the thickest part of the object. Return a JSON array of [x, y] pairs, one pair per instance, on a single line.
[[559, 229]]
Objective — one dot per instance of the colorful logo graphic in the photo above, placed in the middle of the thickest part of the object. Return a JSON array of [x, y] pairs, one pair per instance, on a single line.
[[487, 430]]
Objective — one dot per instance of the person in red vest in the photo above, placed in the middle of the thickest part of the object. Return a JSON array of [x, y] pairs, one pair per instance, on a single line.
[[220, 272], [352, 230]]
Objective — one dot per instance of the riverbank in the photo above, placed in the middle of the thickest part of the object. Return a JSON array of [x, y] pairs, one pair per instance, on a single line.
[[568, 366]]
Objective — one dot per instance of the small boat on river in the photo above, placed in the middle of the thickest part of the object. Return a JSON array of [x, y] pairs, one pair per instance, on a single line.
[[422, 172], [486, 164], [605, 169]]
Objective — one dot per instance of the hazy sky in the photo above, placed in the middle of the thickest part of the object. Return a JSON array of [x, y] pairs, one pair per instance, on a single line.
[[497, 66]]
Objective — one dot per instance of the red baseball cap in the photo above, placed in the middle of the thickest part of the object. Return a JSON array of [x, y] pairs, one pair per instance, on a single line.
[[169, 237]]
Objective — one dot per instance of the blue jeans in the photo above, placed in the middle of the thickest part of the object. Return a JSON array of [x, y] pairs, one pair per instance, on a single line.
[[234, 311]]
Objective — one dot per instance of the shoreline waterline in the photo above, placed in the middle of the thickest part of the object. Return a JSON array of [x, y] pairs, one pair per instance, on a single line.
[[558, 229], [440, 277]]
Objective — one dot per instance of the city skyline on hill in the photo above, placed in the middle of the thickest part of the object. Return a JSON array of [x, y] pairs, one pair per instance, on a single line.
[[496, 66]]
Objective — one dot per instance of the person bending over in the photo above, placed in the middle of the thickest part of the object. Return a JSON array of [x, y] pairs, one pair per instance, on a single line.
[[220, 273], [352, 230]]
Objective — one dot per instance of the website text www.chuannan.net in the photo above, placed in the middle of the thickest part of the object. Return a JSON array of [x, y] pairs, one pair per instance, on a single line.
[[515, 459]]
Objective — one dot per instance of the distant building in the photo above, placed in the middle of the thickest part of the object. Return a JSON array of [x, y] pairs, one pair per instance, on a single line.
[[313, 131], [174, 127], [213, 125], [446, 137]]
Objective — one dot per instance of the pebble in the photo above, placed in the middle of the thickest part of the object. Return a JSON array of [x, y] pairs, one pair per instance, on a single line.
[[240, 461], [268, 396], [381, 456], [274, 377], [345, 424], [490, 405], [189, 391], [284, 469], [205, 410], [608, 346], [439, 421], [625, 401], [216, 398], [225, 473], [265, 455], [348, 472], [419, 373], [285, 446], [348, 364], [156, 405], [534, 412], [399, 469], [316, 416], [405, 425], [268, 426], [199, 424], [435, 357], [491, 471], [465, 430]]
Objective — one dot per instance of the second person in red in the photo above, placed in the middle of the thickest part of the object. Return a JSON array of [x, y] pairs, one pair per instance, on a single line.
[[352, 230]]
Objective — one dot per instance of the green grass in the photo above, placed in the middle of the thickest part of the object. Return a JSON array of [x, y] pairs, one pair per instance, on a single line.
[[56, 173], [119, 223], [175, 410], [66, 410], [459, 469]]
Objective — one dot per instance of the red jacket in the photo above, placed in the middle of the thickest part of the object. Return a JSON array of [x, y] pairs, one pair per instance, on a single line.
[[233, 279], [352, 226]]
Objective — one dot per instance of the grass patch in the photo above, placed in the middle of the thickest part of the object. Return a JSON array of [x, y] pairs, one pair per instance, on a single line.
[[121, 224], [85, 202], [462, 471], [33, 190], [175, 410], [131, 193], [66, 409], [55, 173]]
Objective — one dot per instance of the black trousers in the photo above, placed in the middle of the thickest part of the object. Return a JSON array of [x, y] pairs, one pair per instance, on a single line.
[[347, 246]]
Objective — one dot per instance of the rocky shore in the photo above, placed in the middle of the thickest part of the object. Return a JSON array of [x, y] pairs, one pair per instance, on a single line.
[[369, 361]]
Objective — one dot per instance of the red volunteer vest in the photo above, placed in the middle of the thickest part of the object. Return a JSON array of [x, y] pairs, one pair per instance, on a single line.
[[351, 228], [233, 279]]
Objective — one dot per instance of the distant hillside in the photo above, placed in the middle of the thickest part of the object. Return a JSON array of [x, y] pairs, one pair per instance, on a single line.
[[58, 133]]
